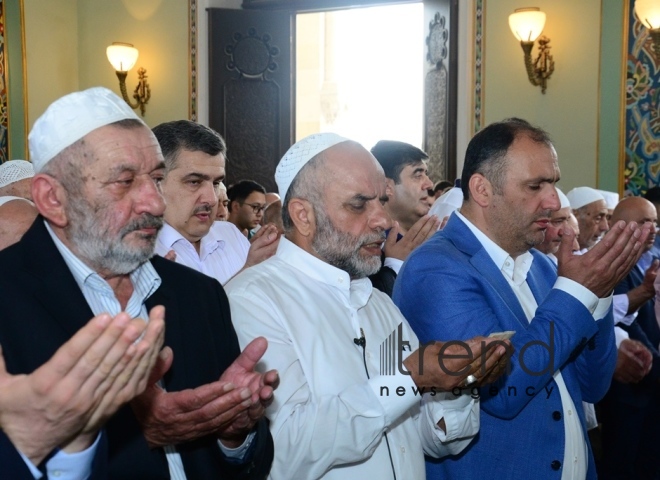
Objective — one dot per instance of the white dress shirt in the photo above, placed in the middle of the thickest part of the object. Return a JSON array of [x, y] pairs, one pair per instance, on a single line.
[[515, 271], [328, 418], [222, 252]]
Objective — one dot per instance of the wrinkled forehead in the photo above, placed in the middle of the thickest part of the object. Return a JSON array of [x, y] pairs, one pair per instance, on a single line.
[[112, 146], [596, 208]]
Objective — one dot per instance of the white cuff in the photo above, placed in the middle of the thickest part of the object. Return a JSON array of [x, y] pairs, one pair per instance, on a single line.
[[394, 263], [580, 292], [619, 336], [72, 466], [396, 394], [603, 307], [239, 452]]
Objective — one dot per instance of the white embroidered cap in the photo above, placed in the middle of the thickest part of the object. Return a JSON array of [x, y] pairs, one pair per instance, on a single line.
[[563, 199], [70, 118], [15, 170], [581, 196], [611, 198], [446, 203], [299, 154]]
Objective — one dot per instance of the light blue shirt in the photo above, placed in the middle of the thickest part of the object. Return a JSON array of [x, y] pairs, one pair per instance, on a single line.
[[101, 298]]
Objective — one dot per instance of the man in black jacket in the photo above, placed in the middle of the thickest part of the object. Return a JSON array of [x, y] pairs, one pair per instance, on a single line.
[[630, 412], [96, 188]]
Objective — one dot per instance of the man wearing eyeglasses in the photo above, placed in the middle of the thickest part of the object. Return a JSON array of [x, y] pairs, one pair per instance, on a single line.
[[247, 201]]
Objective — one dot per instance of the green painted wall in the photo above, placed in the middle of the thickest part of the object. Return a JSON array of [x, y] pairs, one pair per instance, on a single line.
[[51, 47], [66, 42], [569, 110], [158, 29], [611, 98], [15, 82]]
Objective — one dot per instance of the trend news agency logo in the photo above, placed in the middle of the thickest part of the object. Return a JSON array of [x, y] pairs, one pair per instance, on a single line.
[[393, 347]]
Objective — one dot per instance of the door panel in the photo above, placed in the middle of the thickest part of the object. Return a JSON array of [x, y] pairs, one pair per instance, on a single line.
[[250, 86], [252, 79], [440, 87]]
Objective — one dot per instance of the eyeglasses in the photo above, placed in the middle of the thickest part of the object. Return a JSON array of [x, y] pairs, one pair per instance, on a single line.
[[256, 208]]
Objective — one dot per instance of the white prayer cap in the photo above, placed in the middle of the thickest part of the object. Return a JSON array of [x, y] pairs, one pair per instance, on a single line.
[[299, 154], [446, 203], [70, 118], [581, 196], [611, 198], [15, 170], [563, 199]]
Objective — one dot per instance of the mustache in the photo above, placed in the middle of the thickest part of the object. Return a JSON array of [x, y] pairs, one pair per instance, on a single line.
[[372, 238], [145, 221], [202, 209], [544, 215]]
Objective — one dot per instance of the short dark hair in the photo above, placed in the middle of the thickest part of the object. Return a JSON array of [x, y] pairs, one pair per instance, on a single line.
[[441, 185], [486, 152], [239, 191], [186, 135], [653, 195], [394, 156]]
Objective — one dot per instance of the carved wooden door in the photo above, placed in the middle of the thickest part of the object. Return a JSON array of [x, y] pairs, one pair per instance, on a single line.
[[250, 86], [440, 87]]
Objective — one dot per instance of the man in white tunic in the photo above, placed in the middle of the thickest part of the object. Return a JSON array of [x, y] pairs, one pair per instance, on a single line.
[[349, 404]]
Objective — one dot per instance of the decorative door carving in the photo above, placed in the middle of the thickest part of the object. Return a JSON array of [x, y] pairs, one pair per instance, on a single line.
[[250, 90]]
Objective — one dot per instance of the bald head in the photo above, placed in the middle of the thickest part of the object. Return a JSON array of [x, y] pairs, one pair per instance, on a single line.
[[637, 209], [17, 216], [273, 214]]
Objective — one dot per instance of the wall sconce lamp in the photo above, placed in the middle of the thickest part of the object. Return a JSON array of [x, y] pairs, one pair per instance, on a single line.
[[526, 25], [648, 13], [122, 57]]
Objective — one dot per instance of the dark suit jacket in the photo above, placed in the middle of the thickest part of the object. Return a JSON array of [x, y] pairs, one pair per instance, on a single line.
[[12, 465], [644, 329], [384, 280], [43, 307]]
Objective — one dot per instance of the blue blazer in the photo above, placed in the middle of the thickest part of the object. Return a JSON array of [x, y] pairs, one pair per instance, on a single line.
[[450, 289]]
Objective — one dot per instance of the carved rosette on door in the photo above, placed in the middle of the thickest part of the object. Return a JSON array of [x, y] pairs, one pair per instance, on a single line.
[[435, 95]]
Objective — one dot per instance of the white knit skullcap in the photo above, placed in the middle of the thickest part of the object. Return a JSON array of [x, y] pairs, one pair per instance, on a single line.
[[70, 118], [299, 154], [611, 198], [563, 199], [446, 203], [14, 170], [581, 196]]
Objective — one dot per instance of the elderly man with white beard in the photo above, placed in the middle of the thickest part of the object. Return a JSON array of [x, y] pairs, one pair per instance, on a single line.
[[91, 251], [340, 413]]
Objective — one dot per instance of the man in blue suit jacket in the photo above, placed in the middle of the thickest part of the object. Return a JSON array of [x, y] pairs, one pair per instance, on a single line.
[[480, 275]]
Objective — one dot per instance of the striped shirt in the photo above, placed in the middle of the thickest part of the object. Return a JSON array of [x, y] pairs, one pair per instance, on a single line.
[[102, 299]]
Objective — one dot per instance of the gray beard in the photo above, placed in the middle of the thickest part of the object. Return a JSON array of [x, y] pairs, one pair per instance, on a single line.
[[89, 233], [342, 250]]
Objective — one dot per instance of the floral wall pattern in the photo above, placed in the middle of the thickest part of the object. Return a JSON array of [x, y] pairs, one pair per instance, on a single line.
[[642, 113], [4, 114]]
